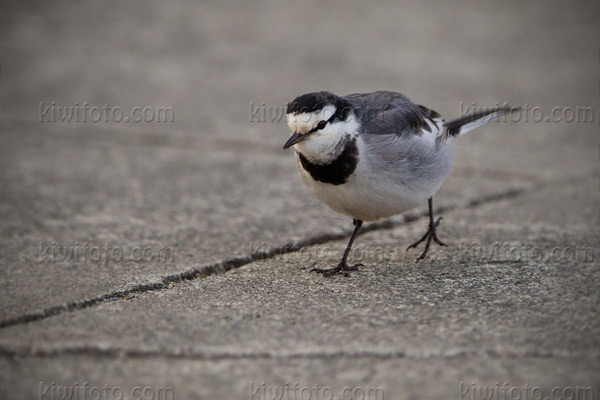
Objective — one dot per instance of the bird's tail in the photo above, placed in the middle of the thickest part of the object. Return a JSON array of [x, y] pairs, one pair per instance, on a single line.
[[469, 122]]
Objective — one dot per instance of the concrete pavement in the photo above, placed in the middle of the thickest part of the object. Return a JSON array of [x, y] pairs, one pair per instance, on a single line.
[[513, 299]]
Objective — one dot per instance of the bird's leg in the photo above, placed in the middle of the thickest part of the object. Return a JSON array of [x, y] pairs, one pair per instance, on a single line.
[[342, 266], [429, 235]]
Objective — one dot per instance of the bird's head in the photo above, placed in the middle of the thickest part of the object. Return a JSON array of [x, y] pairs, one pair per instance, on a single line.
[[320, 124]]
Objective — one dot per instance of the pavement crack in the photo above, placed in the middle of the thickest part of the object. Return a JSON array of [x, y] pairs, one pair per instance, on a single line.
[[207, 354], [237, 262]]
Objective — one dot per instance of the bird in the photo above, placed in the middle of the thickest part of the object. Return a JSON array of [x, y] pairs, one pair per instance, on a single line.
[[374, 155]]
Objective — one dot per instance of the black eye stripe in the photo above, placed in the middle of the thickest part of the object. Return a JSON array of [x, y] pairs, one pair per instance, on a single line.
[[319, 126]]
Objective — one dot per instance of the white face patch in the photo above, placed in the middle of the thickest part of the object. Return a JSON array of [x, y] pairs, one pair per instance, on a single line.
[[325, 145], [304, 122]]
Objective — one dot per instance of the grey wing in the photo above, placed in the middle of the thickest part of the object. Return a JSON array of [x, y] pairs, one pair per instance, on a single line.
[[417, 163], [403, 146], [386, 113]]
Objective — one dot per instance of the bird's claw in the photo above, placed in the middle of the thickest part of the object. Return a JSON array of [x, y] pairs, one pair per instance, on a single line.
[[429, 236], [341, 268]]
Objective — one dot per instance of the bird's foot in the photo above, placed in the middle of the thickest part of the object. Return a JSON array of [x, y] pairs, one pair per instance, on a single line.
[[342, 267], [429, 236]]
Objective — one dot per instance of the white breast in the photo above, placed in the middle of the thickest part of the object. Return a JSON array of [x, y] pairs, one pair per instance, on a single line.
[[385, 183]]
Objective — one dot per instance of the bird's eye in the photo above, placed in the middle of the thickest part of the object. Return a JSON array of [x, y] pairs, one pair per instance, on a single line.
[[321, 125]]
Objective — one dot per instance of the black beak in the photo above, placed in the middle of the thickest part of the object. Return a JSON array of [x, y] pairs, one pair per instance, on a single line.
[[295, 138]]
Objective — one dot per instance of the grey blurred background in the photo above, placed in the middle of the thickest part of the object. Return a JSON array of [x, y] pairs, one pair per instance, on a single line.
[[214, 184]]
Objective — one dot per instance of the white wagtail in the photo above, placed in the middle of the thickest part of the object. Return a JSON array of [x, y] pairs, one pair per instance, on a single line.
[[374, 155]]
